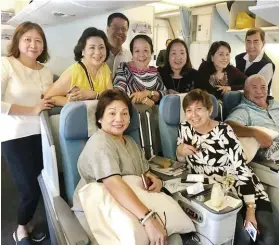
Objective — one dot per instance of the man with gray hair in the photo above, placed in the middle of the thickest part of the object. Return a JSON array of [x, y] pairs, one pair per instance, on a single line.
[[257, 109]]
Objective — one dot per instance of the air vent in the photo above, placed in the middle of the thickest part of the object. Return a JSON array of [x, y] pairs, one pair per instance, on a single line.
[[62, 15]]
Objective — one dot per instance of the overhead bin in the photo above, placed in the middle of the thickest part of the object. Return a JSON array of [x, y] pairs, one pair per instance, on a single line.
[[52, 12], [269, 12], [269, 25]]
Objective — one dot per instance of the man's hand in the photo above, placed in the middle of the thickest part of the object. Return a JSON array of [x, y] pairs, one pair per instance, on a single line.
[[263, 138]]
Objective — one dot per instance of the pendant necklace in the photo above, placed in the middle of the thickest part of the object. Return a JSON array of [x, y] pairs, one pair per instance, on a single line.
[[39, 75], [176, 88]]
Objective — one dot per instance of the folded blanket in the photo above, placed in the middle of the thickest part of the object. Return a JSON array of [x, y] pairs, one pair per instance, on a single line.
[[250, 145], [112, 224]]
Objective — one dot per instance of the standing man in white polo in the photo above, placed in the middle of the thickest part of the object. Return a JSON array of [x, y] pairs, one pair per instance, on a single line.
[[117, 29]]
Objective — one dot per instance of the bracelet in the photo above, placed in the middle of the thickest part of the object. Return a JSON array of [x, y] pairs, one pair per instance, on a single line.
[[144, 100], [148, 215]]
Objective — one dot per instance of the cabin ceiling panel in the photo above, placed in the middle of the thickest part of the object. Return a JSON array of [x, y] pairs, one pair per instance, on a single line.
[[51, 12]]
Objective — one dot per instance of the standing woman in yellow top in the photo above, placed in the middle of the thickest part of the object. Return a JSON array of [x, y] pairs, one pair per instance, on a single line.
[[89, 76]]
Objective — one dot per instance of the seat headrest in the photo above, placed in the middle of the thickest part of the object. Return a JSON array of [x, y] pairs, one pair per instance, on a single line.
[[74, 121], [230, 101], [172, 105]]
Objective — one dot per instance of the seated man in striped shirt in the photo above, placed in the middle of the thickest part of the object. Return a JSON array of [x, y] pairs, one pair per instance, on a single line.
[[257, 109]]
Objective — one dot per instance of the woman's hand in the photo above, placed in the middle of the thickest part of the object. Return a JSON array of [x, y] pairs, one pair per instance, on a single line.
[[138, 97], [184, 150], [155, 231], [45, 104], [82, 94], [157, 184], [224, 89], [250, 217]]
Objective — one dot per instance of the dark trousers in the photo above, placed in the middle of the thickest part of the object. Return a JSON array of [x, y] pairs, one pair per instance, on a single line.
[[266, 228], [24, 160]]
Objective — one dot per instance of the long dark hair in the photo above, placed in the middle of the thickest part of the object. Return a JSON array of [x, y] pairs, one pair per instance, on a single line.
[[212, 50], [188, 64]]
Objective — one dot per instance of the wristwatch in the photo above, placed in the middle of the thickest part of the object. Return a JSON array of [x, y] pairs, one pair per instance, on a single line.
[[251, 205]]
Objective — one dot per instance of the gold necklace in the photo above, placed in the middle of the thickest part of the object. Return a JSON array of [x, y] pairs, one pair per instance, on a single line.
[[29, 78]]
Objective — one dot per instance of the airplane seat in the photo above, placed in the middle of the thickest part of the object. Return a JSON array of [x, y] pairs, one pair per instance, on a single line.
[[171, 114], [209, 224], [230, 101], [63, 226], [72, 129], [74, 135]]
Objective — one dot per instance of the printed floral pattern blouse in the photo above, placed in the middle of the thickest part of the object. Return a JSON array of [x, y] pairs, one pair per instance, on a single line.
[[219, 153]]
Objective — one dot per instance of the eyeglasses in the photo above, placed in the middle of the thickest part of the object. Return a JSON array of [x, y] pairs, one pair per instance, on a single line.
[[118, 28]]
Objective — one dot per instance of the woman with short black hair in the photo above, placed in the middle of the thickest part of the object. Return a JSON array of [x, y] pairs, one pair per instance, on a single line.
[[90, 76]]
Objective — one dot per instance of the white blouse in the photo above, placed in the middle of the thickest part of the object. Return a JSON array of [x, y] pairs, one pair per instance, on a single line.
[[22, 86]]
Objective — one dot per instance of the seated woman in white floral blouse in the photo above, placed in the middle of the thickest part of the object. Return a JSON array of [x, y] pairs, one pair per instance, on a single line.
[[211, 148]]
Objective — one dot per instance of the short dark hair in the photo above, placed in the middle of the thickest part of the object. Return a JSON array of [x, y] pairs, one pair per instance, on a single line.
[[255, 30], [87, 33], [188, 64], [20, 30], [106, 98], [117, 15], [212, 50], [197, 95], [144, 37]]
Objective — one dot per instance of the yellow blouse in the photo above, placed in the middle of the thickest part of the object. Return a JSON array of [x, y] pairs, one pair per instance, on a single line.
[[101, 82]]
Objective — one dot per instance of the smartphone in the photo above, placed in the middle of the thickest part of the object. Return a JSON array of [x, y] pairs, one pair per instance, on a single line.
[[252, 231], [71, 89], [146, 182]]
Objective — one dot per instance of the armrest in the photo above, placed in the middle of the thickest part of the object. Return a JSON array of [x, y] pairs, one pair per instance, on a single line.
[[72, 228], [268, 172]]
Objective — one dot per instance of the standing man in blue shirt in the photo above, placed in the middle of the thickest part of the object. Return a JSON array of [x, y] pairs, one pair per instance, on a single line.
[[256, 109]]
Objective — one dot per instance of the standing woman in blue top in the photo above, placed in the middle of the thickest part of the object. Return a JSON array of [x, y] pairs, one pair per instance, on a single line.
[[177, 74], [24, 81]]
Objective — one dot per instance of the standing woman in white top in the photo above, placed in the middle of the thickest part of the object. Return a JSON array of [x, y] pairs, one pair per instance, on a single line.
[[24, 81]]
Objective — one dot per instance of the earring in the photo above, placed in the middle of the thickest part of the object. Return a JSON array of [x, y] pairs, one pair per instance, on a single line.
[[99, 121]]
